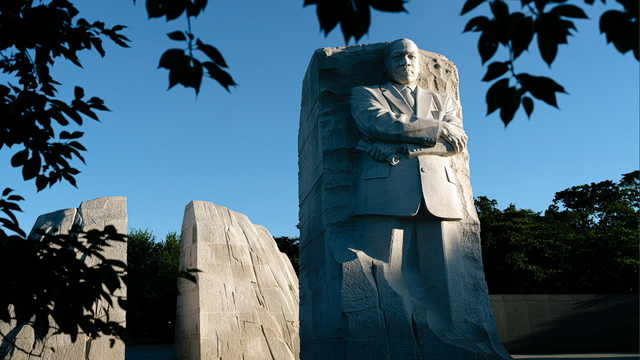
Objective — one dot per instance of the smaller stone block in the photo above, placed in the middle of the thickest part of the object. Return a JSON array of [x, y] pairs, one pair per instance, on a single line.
[[90, 215], [245, 303]]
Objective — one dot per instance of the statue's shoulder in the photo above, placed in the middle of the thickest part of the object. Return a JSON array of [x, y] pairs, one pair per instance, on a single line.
[[365, 89], [366, 94]]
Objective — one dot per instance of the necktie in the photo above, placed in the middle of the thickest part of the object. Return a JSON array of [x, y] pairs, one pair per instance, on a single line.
[[408, 96]]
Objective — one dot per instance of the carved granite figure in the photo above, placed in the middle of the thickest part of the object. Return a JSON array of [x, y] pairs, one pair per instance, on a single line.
[[410, 207], [390, 257], [420, 125]]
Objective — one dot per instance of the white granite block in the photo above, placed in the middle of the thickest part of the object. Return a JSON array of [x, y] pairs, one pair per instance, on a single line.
[[245, 303]]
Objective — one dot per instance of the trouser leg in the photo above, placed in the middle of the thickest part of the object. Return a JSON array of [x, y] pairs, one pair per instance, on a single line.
[[374, 294], [433, 292]]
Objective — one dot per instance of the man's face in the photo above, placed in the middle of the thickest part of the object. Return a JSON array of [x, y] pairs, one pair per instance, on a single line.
[[403, 62]]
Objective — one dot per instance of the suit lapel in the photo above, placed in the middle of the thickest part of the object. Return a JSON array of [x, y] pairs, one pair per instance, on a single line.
[[391, 93], [424, 103]]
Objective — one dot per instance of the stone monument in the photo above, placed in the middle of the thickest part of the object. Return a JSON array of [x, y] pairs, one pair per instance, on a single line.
[[244, 305], [90, 215], [390, 258]]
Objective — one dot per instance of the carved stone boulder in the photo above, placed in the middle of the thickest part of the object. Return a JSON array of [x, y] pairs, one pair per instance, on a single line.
[[90, 215], [244, 305]]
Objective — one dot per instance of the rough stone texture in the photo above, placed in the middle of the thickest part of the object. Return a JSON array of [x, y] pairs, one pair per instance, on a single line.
[[245, 303], [567, 323], [92, 214], [341, 314]]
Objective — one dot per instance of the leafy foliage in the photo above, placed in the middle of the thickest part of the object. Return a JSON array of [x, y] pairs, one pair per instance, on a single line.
[[520, 251], [621, 27], [354, 17], [184, 68], [46, 277], [550, 21], [586, 242], [289, 246], [605, 218], [153, 286], [31, 39]]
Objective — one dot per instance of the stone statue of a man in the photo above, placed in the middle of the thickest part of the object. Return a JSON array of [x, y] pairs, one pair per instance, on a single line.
[[409, 211], [400, 120]]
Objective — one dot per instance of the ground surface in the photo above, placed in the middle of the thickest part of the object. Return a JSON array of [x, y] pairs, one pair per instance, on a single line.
[[602, 356], [165, 352]]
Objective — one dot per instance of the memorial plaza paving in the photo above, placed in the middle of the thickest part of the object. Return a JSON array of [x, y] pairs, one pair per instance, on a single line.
[[165, 352]]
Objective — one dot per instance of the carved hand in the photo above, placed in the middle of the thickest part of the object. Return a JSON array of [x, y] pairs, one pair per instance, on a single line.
[[382, 150], [454, 135]]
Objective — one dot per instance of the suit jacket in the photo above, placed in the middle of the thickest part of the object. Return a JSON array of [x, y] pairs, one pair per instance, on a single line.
[[382, 115]]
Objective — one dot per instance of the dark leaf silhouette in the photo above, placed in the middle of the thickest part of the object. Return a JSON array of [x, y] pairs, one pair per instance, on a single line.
[[470, 5], [516, 30], [488, 42], [31, 168], [621, 28], [20, 158], [510, 105], [353, 16], [496, 94], [219, 75], [154, 8], [477, 24], [527, 103], [177, 35], [212, 53], [495, 70], [542, 88]]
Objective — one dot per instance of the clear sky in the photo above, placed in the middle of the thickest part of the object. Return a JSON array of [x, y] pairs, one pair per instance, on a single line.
[[161, 149]]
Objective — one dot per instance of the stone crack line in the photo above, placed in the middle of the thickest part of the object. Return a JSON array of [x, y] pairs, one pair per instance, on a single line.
[[267, 341]]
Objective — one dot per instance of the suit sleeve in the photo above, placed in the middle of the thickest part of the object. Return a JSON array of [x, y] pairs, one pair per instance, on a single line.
[[378, 122], [450, 111]]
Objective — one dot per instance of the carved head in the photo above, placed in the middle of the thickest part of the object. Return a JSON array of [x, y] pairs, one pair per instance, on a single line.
[[403, 62]]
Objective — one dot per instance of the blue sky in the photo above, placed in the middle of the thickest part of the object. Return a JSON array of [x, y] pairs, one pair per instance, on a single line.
[[161, 149]]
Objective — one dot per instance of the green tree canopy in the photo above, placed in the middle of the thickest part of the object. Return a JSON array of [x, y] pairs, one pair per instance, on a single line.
[[153, 287], [289, 246], [585, 242]]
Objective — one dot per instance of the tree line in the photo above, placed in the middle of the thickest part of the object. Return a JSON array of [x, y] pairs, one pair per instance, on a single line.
[[152, 290], [153, 284], [586, 242]]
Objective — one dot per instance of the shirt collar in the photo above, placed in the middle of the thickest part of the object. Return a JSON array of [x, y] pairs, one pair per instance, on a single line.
[[399, 87]]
